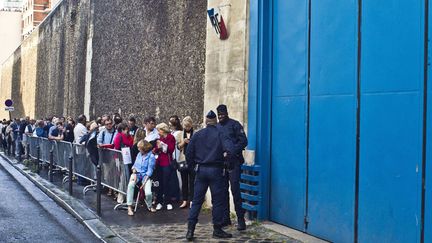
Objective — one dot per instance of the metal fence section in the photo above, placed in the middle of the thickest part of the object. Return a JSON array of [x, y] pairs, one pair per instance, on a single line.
[[115, 175], [33, 144], [82, 166], [62, 153], [45, 148]]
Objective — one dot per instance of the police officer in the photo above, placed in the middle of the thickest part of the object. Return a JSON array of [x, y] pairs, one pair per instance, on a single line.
[[205, 153], [233, 130]]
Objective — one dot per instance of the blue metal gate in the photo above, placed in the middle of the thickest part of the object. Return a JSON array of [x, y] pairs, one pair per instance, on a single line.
[[392, 69], [347, 119], [333, 106], [288, 151]]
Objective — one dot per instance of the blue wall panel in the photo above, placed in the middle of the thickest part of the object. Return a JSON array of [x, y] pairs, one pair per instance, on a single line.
[[391, 121], [334, 47], [288, 162], [392, 50], [289, 47], [332, 149], [390, 163], [289, 90], [332, 167]]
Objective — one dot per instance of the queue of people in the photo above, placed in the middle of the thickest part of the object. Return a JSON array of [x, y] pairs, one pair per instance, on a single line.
[[208, 158]]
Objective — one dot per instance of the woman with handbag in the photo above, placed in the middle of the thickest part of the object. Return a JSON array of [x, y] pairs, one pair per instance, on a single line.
[[164, 150], [123, 140], [176, 131], [187, 174]]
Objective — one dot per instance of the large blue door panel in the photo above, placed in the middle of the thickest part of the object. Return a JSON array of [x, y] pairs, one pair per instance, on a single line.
[[390, 163], [332, 147], [392, 45], [289, 99], [332, 167], [289, 47], [391, 121], [333, 47], [288, 162]]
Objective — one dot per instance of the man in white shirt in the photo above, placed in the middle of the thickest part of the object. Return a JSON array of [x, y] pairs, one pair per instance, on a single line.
[[151, 132], [80, 129]]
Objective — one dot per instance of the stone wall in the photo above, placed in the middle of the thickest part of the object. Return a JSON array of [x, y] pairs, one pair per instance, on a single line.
[[46, 73], [148, 59], [226, 60], [226, 64], [96, 57], [61, 60]]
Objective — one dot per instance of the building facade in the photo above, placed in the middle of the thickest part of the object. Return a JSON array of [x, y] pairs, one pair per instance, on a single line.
[[11, 5], [10, 28], [34, 12]]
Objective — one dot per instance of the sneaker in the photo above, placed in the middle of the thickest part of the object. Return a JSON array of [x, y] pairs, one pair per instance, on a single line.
[[152, 209], [169, 207], [159, 206]]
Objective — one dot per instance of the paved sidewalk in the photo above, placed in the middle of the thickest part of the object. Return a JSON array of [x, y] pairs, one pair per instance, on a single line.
[[162, 226]]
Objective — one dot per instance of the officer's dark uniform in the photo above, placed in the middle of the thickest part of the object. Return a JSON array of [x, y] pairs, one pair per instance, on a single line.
[[233, 130], [206, 153]]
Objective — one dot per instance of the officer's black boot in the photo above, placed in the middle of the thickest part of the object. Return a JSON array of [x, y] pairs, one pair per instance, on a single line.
[[226, 222], [219, 233], [241, 224], [190, 232]]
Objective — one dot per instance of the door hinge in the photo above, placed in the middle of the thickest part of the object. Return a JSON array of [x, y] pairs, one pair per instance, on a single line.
[[306, 222]]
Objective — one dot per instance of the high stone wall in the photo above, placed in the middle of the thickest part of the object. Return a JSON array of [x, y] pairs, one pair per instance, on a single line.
[[61, 60], [148, 59], [143, 58]]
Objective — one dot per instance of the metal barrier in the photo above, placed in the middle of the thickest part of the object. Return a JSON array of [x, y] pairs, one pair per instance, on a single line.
[[115, 174], [74, 158], [33, 146], [45, 148], [62, 154], [83, 167]]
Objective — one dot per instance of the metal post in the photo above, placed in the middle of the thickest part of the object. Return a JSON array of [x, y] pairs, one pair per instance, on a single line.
[[38, 158], [27, 150], [70, 175], [98, 189], [51, 165]]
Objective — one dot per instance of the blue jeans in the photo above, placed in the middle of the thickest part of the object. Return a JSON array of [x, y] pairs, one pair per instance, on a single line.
[[18, 146]]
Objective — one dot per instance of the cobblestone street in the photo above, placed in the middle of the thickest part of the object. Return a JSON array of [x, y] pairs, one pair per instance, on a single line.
[[203, 233]]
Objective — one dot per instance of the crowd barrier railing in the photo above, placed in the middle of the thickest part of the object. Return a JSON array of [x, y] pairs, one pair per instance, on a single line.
[[109, 172]]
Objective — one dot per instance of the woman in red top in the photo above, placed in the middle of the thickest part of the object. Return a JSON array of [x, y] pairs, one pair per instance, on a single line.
[[165, 148], [123, 139]]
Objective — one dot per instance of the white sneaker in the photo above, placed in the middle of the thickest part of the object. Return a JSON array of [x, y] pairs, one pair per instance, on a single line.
[[159, 206], [169, 207]]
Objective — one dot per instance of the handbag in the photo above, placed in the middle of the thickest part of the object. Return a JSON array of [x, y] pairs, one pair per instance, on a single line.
[[182, 166], [173, 161]]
